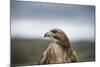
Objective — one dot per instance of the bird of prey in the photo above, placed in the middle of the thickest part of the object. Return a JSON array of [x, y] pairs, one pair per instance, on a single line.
[[59, 50]]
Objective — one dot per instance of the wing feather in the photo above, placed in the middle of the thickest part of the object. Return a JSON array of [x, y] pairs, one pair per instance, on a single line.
[[72, 55]]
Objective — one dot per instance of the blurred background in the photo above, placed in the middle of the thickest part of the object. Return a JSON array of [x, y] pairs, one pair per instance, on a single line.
[[30, 21]]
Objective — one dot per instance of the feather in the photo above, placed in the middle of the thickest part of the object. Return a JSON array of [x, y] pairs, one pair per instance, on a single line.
[[59, 50]]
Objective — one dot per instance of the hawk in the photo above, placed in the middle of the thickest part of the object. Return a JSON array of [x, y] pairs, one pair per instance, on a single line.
[[59, 50]]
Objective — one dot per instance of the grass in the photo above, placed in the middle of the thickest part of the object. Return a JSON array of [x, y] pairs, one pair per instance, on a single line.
[[29, 51]]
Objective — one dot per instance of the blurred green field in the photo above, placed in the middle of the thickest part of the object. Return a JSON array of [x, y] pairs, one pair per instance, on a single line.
[[29, 51]]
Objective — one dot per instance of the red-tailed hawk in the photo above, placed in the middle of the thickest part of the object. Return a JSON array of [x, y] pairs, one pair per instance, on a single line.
[[59, 50]]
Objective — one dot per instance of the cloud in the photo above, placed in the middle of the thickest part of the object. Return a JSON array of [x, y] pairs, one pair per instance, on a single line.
[[37, 29]]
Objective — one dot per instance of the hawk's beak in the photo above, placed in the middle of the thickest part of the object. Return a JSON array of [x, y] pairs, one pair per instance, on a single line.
[[48, 34]]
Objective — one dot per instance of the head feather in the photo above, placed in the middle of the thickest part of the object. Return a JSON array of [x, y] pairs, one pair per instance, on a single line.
[[60, 36]]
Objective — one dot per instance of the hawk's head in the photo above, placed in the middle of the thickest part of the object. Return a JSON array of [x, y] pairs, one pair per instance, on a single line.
[[57, 35]]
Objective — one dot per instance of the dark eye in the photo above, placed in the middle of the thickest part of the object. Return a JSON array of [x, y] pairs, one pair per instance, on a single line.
[[54, 31]]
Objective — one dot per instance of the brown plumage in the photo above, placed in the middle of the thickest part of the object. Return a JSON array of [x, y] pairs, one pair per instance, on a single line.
[[59, 50]]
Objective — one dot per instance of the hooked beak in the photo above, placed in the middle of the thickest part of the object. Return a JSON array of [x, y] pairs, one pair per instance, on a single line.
[[46, 35], [49, 34]]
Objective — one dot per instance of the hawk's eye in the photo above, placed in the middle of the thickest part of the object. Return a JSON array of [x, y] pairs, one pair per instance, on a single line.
[[54, 31]]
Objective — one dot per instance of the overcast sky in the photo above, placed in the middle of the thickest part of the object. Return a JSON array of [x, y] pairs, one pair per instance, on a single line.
[[33, 19]]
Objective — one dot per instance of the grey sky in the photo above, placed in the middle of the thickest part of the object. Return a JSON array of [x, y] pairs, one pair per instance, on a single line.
[[33, 19]]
